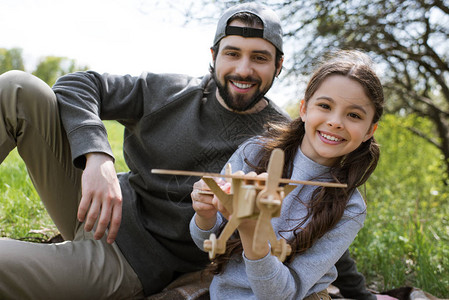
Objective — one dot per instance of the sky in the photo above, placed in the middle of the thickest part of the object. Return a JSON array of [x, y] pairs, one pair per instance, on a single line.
[[113, 36]]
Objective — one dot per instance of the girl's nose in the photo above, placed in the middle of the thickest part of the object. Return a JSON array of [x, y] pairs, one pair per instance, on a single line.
[[335, 122]]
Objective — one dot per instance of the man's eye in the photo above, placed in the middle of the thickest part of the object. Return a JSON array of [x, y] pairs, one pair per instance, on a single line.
[[260, 58], [231, 54]]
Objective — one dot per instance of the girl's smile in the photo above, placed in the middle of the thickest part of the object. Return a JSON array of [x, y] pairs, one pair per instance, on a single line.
[[338, 118], [330, 138]]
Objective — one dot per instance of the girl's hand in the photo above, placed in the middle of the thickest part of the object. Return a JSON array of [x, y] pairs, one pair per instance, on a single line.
[[206, 204], [226, 187], [202, 200], [246, 230]]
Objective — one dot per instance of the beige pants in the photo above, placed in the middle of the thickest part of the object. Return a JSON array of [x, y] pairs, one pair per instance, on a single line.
[[81, 268]]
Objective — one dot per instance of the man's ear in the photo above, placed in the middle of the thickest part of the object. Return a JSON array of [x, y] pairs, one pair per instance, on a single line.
[[213, 54], [279, 69], [370, 132]]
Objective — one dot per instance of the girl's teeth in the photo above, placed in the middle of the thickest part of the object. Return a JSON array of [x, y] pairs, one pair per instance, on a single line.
[[242, 85], [329, 137]]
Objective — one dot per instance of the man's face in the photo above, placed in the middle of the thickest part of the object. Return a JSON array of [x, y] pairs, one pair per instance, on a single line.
[[244, 70]]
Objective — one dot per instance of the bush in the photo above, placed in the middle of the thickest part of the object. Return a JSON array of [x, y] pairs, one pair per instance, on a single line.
[[406, 233]]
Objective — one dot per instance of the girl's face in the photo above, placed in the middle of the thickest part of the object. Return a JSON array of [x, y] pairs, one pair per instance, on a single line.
[[338, 118]]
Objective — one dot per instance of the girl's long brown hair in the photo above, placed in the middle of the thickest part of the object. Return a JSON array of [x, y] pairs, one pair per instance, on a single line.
[[327, 205]]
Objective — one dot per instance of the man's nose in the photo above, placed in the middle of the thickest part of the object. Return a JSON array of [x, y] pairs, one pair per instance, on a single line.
[[244, 67]]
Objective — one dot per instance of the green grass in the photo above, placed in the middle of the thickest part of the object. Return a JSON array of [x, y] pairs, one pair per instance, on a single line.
[[20, 207], [21, 211], [405, 240]]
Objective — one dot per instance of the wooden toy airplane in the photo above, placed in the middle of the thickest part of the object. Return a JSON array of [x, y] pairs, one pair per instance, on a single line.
[[251, 197]]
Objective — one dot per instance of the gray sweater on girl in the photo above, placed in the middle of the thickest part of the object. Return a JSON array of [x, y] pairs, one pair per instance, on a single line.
[[310, 272]]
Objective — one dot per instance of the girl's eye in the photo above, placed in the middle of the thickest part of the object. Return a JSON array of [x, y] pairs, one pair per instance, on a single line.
[[354, 115], [324, 105]]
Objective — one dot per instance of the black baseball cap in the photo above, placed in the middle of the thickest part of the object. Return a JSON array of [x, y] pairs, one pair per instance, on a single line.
[[271, 31]]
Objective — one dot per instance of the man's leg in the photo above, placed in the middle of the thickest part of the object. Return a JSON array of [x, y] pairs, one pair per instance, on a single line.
[[80, 269], [84, 268], [29, 120]]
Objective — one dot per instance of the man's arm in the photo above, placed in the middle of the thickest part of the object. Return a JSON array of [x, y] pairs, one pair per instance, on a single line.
[[350, 282], [85, 98]]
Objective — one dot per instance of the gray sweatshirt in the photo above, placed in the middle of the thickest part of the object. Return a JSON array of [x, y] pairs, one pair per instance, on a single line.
[[171, 122], [310, 272]]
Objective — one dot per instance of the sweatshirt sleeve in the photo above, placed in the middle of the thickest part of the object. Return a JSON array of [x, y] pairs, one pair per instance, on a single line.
[[199, 236], [311, 271], [246, 152], [270, 279], [86, 98], [237, 162], [350, 282]]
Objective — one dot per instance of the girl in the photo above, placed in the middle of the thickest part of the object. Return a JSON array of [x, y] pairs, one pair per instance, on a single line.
[[331, 141]]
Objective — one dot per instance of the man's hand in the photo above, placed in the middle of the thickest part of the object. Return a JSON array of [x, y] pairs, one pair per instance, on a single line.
[[101, 196]]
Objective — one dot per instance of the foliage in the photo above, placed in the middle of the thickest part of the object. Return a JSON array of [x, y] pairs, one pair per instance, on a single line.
[[48, 69], [406, 38], [406, 234], [51, 68], [21, 210], [115, 136], [11, 59], [292, 108]]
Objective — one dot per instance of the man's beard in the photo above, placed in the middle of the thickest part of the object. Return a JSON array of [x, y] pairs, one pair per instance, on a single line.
[[238, 102]]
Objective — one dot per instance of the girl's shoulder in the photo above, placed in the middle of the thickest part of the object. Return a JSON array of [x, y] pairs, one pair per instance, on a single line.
[[252, 146], [246, 155], [357, 198], [356, 205]]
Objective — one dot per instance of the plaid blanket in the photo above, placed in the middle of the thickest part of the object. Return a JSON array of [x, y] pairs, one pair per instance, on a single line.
[[195, 286], [191, 286]]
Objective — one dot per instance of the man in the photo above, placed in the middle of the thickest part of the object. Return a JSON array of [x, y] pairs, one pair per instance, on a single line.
[[171, 122]]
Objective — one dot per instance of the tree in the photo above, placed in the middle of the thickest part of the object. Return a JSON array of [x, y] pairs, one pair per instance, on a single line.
[[51, 68], [408, 40], [11, 59]]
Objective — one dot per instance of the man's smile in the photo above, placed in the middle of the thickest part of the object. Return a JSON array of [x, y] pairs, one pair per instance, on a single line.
[[241, 85]]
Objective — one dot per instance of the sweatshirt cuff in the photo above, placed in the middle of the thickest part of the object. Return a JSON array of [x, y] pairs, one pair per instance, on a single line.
[[262, 269], [88, 139], [198, 235]]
